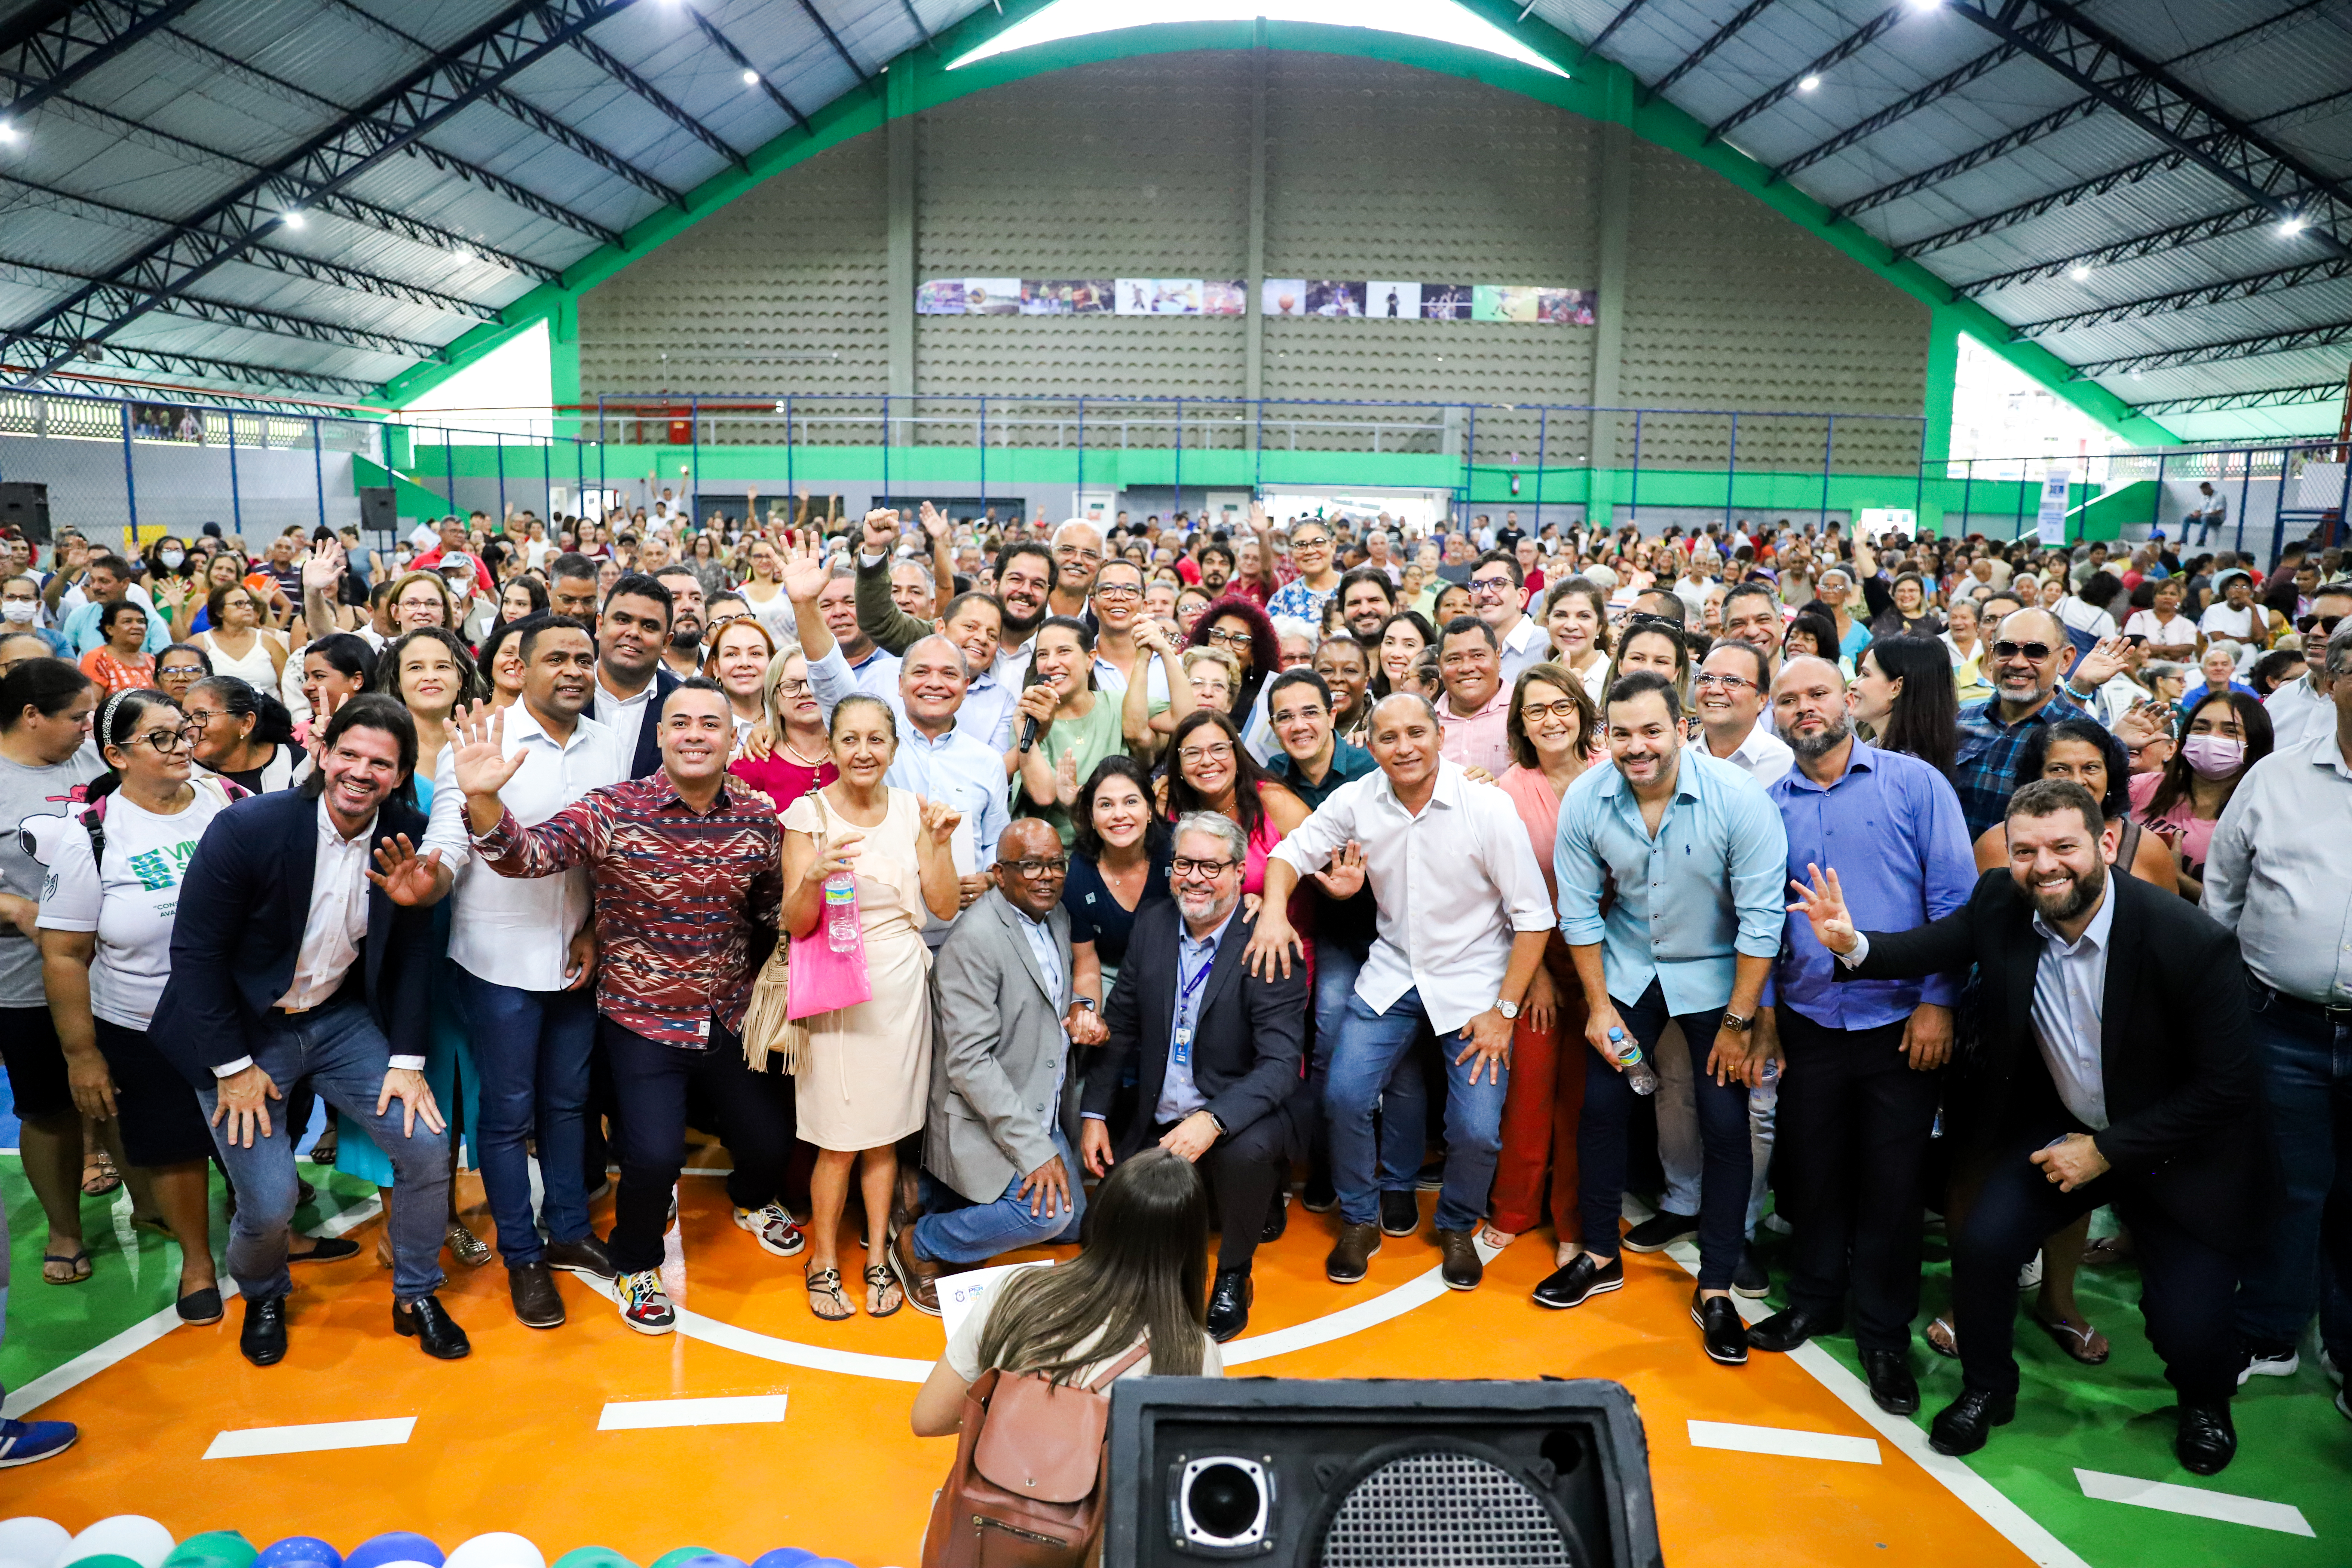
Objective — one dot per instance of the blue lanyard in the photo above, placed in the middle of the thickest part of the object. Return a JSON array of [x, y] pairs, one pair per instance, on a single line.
[[1184, 991]]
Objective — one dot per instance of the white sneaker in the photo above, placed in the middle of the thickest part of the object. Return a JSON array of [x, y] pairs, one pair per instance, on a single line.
[[2270, 1363], [645, 1305], [2031, 1275], [774, 1228]]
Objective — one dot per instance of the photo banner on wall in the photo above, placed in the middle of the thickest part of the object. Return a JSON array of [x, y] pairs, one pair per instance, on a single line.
[[1332, 298]]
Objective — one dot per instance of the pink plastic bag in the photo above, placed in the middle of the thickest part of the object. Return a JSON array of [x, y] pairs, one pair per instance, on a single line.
[[824, 981]]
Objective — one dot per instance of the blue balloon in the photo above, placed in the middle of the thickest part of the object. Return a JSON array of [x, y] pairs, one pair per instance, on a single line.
[[298, 1548], [709, 1560], [393, 1546], [785, 1557]]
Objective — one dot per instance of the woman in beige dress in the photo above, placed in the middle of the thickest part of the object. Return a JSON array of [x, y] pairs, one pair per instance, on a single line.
[[864, 1078]]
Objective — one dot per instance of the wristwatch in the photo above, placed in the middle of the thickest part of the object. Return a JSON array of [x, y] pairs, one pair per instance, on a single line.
[[1737, 1024], [1509, 1010]]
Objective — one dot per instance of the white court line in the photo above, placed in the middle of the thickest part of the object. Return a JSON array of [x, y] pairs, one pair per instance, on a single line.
[[316, 1437], [1788, 1442], [734, 1410], [2021, 1529], [2227, 1507], [140, 1335]]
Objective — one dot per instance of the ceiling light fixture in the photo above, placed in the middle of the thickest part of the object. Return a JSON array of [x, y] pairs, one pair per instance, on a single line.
[[2292, 225], [1810, 83], [2078, 272], [750, 78], [291, 217], [8, 133]]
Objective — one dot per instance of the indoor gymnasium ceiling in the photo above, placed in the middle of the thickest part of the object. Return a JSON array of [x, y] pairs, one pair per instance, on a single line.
[[311, 196]]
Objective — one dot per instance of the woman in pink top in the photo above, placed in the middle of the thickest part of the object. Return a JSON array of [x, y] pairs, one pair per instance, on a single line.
[[786, 768], [1213, 770], [1552, 729], [2227, 732]]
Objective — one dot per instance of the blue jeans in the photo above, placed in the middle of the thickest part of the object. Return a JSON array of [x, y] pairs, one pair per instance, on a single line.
[[954, 1229], [531, 1049], [1722, 1135], [1371, 1045], [340, 1049], [1404, 1104], [2306, 1069]]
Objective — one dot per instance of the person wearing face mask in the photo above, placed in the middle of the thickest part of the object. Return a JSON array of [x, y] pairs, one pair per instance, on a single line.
[[20, 612], [2225, 733]]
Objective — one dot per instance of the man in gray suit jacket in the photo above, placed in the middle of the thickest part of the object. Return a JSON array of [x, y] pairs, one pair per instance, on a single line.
[[998, 1149]]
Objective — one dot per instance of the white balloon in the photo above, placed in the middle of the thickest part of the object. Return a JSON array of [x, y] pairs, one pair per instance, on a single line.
[[35, 1541], [130, 1535], [498, 1549]]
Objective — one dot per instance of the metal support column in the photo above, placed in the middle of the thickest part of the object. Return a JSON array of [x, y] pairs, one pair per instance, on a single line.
[[686, 490], [788, 448], [450, 466], [2155, 504], [1633, 500], [886, 444], [318, 472], [1470, 469], [1179, 457], [1730, 472], [499, 436], [2245, 495], [1829, 451], [1082, 445], [236, 502], [1543, 430], [1968, 494], [130, 484]]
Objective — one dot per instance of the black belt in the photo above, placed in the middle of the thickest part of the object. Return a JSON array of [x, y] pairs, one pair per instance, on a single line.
[[2339, 1017]]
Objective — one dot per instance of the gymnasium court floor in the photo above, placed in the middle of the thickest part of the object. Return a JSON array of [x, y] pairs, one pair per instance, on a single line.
[[592, 1435]]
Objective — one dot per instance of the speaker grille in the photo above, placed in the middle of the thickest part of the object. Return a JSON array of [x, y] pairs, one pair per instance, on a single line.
[[1444, 1510]]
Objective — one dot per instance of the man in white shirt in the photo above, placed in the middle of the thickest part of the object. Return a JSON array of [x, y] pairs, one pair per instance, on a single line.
[[2269, 877], [1463, 917], [2237, 616], [1729, 691], [631, 631], [2305, 707], [525, 950]]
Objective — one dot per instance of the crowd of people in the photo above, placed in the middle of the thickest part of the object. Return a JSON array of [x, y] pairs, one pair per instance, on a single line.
[[937, 866]]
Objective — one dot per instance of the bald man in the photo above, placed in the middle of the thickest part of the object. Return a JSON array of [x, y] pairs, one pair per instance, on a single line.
[[1078, 556], [2025, 656]]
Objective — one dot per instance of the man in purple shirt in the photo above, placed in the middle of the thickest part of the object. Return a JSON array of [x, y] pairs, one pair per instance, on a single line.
[[1864, 1058]]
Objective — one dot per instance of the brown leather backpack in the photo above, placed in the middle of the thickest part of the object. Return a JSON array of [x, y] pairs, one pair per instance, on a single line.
[[1026, 1489]]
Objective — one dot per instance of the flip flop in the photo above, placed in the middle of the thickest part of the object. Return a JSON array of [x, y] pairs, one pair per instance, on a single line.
[[76, 1264], [1943, 1339], [98, 1176], [825, 1286], [2106, 1252], [881, 1284], [2085, 1344]]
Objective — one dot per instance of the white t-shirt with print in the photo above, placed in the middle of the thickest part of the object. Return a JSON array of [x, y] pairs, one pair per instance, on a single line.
[[130, 903]]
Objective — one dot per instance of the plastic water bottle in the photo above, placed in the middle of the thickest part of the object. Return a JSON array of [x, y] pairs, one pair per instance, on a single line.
[[1766, 1093], [841, 912], [1640, 1077]]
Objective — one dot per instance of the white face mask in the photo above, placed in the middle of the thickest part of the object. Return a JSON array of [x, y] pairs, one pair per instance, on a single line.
[[20, 612], [172, 558]]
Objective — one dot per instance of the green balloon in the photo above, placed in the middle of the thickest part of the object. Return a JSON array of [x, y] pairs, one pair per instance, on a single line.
[[683, 1554], [102, 1560], [213, 1549], [592, 1557]]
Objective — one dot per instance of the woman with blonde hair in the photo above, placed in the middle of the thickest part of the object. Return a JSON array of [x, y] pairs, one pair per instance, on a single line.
[[738, 660], [787, 753]]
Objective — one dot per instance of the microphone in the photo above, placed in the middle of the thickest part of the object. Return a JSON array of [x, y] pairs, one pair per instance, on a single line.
[[1028, 734]]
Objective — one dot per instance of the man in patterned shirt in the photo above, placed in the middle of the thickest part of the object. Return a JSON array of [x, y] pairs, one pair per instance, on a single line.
[[686, 862], [2027, 654]]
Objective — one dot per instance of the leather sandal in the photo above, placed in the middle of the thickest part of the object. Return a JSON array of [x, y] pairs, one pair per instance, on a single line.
[[824, 1292], [98, 1176], [882, 1287]]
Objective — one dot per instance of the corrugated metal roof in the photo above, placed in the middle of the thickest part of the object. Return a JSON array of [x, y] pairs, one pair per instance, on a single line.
[[150, 138]]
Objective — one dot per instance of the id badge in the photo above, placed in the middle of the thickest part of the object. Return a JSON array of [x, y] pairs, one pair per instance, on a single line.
[[1184, 1038]]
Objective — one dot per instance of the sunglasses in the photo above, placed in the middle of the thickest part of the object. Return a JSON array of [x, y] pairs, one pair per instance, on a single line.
[[2034, 651], [2323, 624]]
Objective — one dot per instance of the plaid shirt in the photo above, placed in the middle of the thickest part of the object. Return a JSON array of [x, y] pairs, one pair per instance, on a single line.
[[1986, 769], [677, 896]]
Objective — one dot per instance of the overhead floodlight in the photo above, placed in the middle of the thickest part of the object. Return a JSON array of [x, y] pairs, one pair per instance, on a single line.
[[1810, 83], [750, 78], [8, 133], [2078, 272], [2292, 225], [291, 217], [1441, 21]]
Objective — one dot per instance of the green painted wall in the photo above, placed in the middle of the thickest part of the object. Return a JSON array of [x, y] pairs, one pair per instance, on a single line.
[[1598, 89]]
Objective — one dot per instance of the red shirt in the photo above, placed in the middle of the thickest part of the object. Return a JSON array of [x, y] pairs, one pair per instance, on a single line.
[[431, 559], [676, 895]]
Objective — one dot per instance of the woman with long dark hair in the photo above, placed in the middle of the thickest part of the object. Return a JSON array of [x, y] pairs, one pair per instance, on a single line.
[[244, 734], [1140, 1277], [1246, 632], [1396, 648], [522, 596], [1903, 692], [1077, 726], [2224, 733], [1118, 864], [1213, 770]]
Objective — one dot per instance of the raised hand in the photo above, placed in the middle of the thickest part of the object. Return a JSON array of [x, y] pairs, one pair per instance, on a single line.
[[934, 521], [480, 759], [1823, 906], [323, 567], [939, 820], [2101, 665], [804, 573], [405, 879], [881, 529], [1344, 876], [1065, 778]]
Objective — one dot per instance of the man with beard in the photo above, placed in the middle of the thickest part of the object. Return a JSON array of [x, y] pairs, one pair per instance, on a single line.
[[1367, 600], [1216, 1051], [1026, 580], [2117, 1067], [1864, 1060], [682, 653], [1216, 567], [2028, 651]]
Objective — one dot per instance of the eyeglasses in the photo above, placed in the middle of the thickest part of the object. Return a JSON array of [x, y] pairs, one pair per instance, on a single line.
[[1033, 869], [1220, 752], [1223, 637], [792, 688], [1496, 586], [1729, 682], [1310, 543], [1117, 591], [1182, 866], [1563, 708]]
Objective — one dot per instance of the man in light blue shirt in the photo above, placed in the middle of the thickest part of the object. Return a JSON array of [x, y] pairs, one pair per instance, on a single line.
[[1698, 856]]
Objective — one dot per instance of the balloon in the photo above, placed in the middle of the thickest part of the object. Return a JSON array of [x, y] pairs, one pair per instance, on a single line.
[[32, 1540], [298, 1549], [497, 1549], [130, 1535], [701, 1556], [212, 1549], [592, 1557], [785, 1557], [393, 1546]]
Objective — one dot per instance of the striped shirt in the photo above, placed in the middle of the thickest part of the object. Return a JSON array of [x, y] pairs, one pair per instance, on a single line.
[[677, 896]]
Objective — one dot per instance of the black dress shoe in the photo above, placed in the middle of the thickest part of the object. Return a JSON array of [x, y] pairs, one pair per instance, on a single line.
[[1784, 1331], [2206, 1442], [1751, 1279], [1399, 1214], [1583, 1278], [1962, 1426], [1277, 1218], [536, 1303], [1722, 1333], [585, 1258], [1229, 1303], [263, 1337], [1892, 1387], [1460, 1266], [1320, 1196], [425, 1320], [1661, 1230]]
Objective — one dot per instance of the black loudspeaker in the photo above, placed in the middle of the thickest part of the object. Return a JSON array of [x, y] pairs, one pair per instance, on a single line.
[[1307, 1473], [26, 508], [378, 509]]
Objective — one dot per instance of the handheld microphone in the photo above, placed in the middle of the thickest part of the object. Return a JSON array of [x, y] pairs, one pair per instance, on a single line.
[[1029, 725]]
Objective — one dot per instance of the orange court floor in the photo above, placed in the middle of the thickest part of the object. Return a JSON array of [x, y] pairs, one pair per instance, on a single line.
[[514, 1438]]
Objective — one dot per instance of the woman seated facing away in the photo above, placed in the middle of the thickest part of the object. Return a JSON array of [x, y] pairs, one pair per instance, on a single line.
[[1141, 1276]]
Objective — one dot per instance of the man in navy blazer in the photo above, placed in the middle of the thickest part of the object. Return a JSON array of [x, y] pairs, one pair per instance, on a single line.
[[631, 684], [1216, 1053], [292, 958]]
